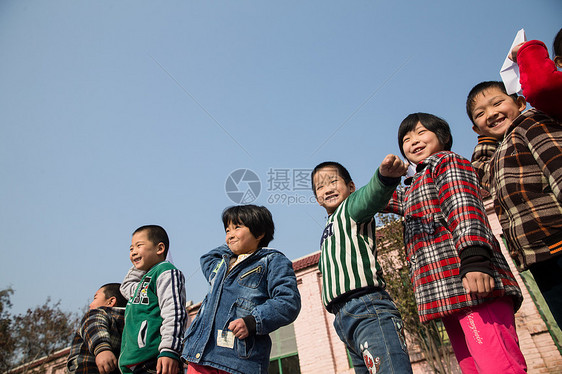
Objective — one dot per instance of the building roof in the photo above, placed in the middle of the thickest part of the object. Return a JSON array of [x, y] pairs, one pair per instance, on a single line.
[[43, 360], [306, 261]]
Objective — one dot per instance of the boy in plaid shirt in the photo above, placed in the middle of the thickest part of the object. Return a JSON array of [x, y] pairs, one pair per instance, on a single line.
[[97, 343], [518, 159]]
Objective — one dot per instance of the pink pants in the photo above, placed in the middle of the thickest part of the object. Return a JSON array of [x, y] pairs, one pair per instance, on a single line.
[[484, 338], [200, 369]]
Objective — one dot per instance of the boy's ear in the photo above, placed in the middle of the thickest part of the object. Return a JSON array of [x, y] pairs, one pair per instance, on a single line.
[[351, 186], [558, 61], [160, 248], [521, 103], [112, 301]]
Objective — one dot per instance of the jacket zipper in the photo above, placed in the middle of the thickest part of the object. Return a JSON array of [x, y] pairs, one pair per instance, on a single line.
[[258, 270]]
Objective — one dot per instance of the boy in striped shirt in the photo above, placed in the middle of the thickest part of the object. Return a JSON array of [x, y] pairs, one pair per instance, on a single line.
[[366, 318]]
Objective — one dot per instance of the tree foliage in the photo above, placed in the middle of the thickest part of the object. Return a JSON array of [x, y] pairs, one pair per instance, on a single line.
[[6, 334], [430, 337], [36, 333]]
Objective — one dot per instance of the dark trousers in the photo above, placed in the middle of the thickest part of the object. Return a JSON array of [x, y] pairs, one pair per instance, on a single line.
[[147, 367], [548, 275]]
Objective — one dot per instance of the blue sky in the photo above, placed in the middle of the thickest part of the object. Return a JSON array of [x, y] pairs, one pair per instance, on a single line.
[[118, 114]]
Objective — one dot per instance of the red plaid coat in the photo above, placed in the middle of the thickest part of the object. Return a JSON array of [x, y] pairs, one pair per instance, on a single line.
[[444, 215]]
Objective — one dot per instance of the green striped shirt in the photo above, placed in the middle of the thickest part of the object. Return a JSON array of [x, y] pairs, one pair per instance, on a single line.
[[349, 258]]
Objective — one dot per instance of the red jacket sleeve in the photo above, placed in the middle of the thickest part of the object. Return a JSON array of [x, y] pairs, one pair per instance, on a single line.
[[540, 81]]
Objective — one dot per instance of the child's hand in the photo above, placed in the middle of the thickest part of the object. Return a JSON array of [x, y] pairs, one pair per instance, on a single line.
[[393, 167], [513, 53], [106, 362], [477, 283], [238, 328], [167, 365]]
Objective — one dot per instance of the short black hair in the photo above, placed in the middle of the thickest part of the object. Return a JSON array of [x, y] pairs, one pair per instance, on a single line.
[[156, 234], [112, 290], [557, 44], [479, 88], [257, 219], [436, 125], [342, 172]]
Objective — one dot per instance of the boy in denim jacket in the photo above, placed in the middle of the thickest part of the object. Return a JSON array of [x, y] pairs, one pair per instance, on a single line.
[[253, 291]]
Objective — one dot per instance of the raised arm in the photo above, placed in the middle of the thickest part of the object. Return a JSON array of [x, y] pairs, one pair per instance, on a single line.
[[213, 260], [372, 198], [131, 281], [540, 81]]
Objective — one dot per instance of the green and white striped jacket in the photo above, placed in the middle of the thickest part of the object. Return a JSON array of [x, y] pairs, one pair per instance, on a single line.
[[348, 260]]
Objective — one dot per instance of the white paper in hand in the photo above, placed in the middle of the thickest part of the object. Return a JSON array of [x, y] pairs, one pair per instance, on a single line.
[[510, 70]]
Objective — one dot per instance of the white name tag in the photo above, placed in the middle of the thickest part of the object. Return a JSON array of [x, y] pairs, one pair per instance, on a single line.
[[225, 340]]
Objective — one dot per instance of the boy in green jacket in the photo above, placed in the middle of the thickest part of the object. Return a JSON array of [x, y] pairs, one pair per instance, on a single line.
[[155, 316]]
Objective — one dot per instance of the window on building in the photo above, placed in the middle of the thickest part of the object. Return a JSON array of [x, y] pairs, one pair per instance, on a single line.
[[284, 356]]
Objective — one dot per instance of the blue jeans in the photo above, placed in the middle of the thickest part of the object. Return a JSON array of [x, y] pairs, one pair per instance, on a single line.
[[372, 329]]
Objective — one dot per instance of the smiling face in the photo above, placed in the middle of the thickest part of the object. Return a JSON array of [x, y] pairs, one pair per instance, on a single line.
[[240, 239], [494, 111], [331, 189], [144, 254], [420, 143]]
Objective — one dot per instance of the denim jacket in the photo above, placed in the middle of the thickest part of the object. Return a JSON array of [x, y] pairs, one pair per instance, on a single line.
[[263, 285]]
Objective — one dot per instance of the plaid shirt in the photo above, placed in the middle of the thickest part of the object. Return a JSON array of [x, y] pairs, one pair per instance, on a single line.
[[524, 175], [100, 330], [444, 216]]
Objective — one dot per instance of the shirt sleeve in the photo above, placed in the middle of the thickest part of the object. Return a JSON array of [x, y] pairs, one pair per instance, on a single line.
[[396, 203], [131, 281], [170, 287], [212, 260], [370, 199], [545, 143], [541, 82], [95, 331], [461, 203], [481, 157], [284, 303]]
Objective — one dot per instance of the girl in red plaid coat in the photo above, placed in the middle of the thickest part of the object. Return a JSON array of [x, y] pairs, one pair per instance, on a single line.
[[456, 266]]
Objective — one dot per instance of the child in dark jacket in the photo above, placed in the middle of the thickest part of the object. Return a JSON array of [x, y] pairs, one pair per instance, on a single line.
[[97, 343], [518, 161]]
